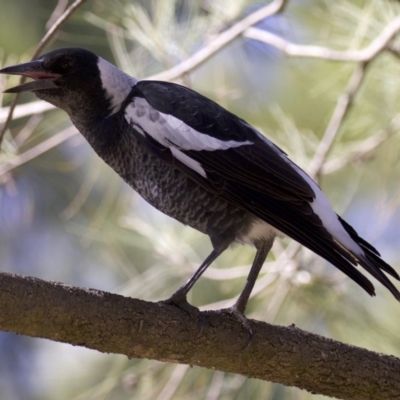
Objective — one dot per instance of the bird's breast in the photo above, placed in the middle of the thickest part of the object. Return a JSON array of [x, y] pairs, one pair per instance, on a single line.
[[170, 190]]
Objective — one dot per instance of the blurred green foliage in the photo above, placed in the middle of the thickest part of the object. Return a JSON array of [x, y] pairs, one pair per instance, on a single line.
[[66, 216]]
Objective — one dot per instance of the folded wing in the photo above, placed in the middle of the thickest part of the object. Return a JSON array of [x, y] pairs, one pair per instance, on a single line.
[[226, 155]]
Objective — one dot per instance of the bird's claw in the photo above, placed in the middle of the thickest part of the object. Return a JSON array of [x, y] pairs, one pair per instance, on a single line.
[[239, 316], [181, 302]]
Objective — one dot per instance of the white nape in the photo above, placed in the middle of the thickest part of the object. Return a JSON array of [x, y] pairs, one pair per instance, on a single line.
[[116, 83]]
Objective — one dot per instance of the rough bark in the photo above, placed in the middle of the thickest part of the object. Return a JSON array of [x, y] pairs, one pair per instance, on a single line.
[[116, 324]]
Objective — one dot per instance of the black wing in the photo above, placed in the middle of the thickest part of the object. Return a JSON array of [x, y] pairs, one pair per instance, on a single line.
[[253, 174]]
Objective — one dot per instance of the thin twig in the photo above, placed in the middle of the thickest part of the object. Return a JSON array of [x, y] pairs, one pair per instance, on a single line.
[[41, 148], [345, 101], [342, 108], [57, 12], [380, 43], [56, 27], [25, 110], [28, 129], [188, 65], [47, 38], [221, 41], [363, 149]]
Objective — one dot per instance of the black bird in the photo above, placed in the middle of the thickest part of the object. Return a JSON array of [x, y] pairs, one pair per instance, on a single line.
[[200, 164]]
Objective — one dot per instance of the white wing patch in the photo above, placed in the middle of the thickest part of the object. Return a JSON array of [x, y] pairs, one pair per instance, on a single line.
[[188, 138], [116, 83], [193, 164], [174, 133]]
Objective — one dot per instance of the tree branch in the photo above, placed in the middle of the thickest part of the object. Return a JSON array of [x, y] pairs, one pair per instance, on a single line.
[[115, 324]]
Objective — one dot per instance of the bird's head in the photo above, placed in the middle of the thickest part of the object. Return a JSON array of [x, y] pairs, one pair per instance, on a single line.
[[74, 80]]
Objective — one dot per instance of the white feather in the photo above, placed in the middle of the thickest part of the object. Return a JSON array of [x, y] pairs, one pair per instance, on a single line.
[[172, 132], [130, 112], [260, 230], [322, 207], [193, 164]]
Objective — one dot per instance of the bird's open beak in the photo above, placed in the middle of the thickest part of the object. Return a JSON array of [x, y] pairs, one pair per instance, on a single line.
[[35, 70]]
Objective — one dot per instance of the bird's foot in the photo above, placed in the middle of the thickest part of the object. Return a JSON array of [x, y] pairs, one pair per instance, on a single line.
[[180, 301], [236, 313]]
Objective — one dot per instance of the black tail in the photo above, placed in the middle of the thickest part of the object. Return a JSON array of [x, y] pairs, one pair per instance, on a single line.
[[372, 261]]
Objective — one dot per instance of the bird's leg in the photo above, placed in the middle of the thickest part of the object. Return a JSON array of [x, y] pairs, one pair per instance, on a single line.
[[237, 310], [179, 297]]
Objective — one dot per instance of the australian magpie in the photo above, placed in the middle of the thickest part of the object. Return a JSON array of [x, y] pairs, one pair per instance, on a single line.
[[200, 164]]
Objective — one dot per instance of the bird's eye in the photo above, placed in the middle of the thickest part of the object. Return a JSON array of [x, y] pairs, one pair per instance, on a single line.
[[66, 64]]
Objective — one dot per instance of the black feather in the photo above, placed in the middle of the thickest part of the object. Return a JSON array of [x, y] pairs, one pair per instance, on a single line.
[[260, 179]]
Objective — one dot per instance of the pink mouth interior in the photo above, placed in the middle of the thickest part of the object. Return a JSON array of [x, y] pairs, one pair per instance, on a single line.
[[39, 75]]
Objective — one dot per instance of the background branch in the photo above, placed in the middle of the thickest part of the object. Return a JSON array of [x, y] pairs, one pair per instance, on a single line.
[[221, 41], [116, 324], [25, 110], [340, 112], [380, 43], [47, 38], [41, 148], [364, 149]]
